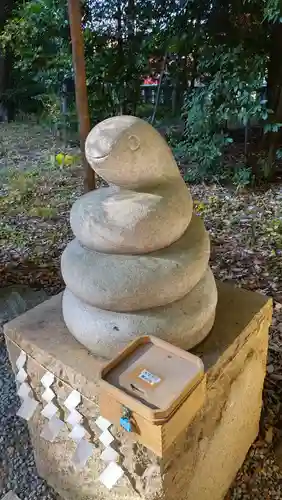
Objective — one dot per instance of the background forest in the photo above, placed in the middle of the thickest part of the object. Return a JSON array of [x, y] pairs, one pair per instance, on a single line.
[[218, 65]]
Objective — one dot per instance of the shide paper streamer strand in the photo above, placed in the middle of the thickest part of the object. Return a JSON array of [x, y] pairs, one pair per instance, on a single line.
[[113, 471], [54, 424], [51, 429], [29, 404], [84, 449]]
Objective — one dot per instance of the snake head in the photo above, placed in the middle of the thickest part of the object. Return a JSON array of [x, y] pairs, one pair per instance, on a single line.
[[129, 152]]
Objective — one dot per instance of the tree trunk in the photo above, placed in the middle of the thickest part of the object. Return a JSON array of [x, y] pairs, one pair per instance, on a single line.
[[133, 82], [120, 57], [274, 93], [80, 88], [6, 7], [3, 78]]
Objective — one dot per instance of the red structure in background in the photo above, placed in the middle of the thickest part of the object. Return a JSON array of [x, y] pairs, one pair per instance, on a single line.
[[150, 80]]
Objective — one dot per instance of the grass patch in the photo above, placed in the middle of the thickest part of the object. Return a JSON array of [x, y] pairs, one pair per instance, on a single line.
[[39, 181]]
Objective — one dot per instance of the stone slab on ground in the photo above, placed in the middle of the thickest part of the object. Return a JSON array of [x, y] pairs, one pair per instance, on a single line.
[[204, 460], [16, 299]]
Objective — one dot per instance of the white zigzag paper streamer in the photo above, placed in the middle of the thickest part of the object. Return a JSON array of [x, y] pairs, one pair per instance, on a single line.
[[21, 376], [102, 423], [74, 418], [113, 471], [109, 455], [106, 438], [49, 410], [78, 432], [53, 426], [84, 449], [27, 408], [73, 400], [82, 453], [47, 380], [23, 390], [48, 395], [29, 404], [21, 360], [111, 475]]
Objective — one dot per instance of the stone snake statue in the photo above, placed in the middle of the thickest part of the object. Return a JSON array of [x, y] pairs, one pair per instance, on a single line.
[[139, 262]]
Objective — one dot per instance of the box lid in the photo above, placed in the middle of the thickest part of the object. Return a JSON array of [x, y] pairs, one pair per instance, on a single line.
[[152, 377]]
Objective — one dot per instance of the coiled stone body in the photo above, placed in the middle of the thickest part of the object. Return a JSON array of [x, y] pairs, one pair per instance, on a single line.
[[139, 262]]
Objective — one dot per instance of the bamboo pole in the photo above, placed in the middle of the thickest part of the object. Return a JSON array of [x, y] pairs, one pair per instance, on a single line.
[[80, 87]]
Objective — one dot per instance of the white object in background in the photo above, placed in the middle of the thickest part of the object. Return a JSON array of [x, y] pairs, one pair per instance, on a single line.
[[52, 428], [82, 453], [109, 455], [27, 408], [106, 438], [111, 475], [102, 423]]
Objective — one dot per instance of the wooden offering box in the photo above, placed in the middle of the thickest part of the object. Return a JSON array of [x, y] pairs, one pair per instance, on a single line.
[[153, 390]]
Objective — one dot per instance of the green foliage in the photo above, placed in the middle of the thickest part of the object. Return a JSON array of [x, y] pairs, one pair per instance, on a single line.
[[242, 176], [38, 35], [225, 45], [231, 92], [274, 231]]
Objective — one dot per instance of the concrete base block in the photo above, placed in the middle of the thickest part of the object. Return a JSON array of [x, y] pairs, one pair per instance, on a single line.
[[203, 461]]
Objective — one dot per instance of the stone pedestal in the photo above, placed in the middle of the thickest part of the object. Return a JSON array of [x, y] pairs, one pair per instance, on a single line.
[[203, 461]]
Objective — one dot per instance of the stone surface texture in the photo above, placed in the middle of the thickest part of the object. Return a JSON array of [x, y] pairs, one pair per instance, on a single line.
[[139, 261], [204, 459]]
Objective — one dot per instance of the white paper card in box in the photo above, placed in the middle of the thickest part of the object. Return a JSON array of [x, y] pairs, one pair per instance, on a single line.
[[111, 475]]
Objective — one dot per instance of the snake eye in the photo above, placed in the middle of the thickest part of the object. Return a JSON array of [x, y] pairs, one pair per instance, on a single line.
[[134, 142]]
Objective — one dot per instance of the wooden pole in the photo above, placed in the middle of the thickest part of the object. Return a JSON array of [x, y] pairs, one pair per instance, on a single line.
[[80, 87]]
